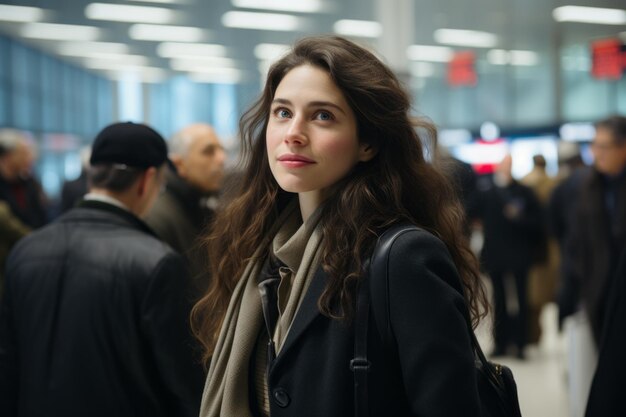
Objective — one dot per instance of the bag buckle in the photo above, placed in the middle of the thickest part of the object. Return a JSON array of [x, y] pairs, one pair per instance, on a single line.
[[360, 364]]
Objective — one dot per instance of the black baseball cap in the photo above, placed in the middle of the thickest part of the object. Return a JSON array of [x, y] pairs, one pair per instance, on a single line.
[[132, 144]]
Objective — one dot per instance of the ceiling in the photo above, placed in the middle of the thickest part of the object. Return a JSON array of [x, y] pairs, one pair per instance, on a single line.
[[518, 25]]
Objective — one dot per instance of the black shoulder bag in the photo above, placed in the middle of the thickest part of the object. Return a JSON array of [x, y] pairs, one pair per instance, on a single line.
[[496, 385]]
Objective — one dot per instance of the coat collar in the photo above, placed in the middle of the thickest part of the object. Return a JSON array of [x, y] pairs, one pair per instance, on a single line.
[[307, 312], [125, 215]]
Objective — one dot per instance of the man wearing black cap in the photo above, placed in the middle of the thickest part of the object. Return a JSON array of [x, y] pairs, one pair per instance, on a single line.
[[94, 316]]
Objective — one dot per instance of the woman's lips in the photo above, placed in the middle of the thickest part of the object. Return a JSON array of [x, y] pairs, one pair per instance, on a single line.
[[295, 161]]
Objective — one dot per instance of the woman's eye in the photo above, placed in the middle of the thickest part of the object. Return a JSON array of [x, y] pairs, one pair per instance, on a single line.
[[324, 115], [282, 113]]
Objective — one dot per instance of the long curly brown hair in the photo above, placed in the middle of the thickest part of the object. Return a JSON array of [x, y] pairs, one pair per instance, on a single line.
[[396, 185]]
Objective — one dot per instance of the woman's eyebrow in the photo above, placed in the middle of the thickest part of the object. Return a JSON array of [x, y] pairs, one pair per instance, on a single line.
[[310, 104]]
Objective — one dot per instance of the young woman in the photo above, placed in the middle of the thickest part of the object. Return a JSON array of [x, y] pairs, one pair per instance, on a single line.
[[332, 160]]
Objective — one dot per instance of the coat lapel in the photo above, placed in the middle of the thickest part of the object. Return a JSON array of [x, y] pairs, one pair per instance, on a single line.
[[307, 312]]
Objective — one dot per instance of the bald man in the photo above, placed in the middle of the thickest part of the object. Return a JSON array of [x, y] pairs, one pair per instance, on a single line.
[[181, 212]]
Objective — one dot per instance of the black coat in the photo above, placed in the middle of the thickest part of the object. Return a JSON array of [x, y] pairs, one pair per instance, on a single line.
[[510, 243], [607, 389], [429, 372], [562, 222], [594, 245], [94, 322], [179, 217]]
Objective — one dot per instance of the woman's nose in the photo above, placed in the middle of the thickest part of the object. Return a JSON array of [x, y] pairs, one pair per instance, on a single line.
[[296, 134]]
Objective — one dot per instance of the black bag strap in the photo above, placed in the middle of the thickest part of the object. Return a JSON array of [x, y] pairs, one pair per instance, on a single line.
[[360, 365]]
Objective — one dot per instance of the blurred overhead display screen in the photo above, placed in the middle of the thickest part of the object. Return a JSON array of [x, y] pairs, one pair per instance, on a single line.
[[608, 57], [462, 69]]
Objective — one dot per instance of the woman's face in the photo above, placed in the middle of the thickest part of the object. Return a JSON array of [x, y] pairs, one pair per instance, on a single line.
[[311, 133]]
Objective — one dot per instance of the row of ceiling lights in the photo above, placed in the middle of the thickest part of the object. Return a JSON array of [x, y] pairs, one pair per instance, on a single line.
[[210, 62]]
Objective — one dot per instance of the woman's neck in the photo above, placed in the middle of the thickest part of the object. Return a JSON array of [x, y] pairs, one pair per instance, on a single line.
[[309, 202]]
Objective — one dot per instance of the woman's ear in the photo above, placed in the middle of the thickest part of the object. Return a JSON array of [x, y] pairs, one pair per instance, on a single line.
[[367, 152]]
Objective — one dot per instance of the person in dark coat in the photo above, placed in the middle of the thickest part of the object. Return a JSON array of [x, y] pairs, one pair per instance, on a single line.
[[18, 188], [93, 321], [512, 226], [598, 232], [333, 161], [182, 212], [595, 238], [561, 221], [465, 181], [11, 230], [73, 191], [607, 389]]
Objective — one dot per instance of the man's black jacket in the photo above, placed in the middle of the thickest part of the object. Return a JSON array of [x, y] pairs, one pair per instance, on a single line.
[[94, 322]]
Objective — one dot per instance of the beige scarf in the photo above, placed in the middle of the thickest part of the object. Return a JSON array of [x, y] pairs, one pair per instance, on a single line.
[[227, 385]]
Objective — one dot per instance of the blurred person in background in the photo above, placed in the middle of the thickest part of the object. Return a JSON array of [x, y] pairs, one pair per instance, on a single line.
[[18, 188], [561, 217], [74, 190], [544, 273], [11, 230], [512, 224], [465, 181], [183, 210], [94, 317], [562, 200], [597, 237]]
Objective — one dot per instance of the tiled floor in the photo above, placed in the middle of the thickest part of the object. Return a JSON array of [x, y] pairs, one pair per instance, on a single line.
[[541, 377]]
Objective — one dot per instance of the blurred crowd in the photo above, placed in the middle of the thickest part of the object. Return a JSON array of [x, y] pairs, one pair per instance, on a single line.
[[546, 239]]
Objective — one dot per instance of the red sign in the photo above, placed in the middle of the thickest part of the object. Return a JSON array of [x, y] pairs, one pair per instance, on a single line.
[[491, 154], [608, 59], [462, 69]]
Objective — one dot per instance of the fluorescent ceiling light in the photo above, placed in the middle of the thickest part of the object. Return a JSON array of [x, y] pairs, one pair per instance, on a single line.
[[525, 58], [515, 57], [261, 21], [162, 1], [99, 64], [422, 69], [270, 51], [119, 58], [166, 33], [178, 49], [362, 28], [144, 78], [216, 78], [472, 38], [143, 74], [199, 67], [589, 15], [10, 13], [128, 13], [301, 6], [264, 67], [429, 53], [85, 48], [498, 57], [203, 62], [53, 31]]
